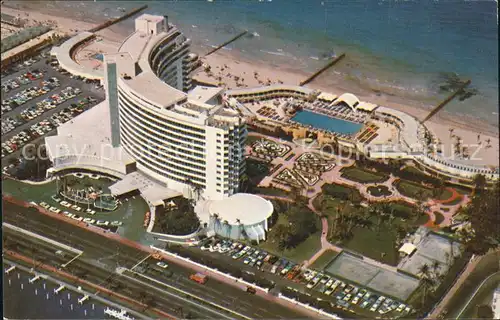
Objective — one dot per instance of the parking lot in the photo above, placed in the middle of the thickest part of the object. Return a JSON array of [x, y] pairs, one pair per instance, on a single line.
[[36, 98], [338, 291]]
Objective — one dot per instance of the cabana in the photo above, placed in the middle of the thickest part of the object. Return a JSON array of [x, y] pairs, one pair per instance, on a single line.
[[349, 99]]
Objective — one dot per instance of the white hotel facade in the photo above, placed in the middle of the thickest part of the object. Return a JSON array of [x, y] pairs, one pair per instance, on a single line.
[[190, 142]]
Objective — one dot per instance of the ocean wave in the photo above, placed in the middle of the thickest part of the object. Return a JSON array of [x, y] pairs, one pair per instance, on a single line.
[[314, 58], [278, 53]]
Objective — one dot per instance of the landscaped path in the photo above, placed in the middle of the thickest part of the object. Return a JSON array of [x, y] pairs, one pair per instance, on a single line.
[[335, 176]]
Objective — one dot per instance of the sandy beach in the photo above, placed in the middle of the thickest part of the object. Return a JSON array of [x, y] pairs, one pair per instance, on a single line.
[[229, 70]]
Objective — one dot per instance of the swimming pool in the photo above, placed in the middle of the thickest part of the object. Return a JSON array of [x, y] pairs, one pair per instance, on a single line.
[[327, 123]]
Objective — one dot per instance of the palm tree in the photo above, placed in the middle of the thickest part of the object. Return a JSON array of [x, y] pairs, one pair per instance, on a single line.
[[436, 265], [426, 283], [227, 228], [451, 131]]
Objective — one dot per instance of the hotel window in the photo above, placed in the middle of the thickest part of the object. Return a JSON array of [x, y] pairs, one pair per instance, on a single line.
[[218, 184]]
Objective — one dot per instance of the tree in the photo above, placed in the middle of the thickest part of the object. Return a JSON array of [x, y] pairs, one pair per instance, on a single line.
[[424, 271], [479, 183], [483, 215]]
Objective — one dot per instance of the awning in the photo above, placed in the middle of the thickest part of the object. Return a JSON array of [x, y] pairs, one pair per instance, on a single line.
[[408, 248], [327, 97]]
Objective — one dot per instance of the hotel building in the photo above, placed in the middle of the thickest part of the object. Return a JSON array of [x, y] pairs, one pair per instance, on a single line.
[[191, 142]]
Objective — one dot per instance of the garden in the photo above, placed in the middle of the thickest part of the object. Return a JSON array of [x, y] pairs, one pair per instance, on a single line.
[[376, 231], [342, 192], [363, 176], [296, 234], [379, 191], [269, 148], [179, 219], [413, 190]]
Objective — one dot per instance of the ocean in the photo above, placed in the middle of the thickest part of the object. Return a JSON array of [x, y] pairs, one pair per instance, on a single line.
[[24, 300], [400, 48]]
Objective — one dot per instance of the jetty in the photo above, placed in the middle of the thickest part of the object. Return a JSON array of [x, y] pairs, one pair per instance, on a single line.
[[323, 69], [83, 299], [61, 287], [111, 22], [446, 101], [34, 279], [233, 39], [12, 268]]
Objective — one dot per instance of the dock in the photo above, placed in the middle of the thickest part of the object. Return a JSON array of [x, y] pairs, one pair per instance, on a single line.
[[323, 69], [111, 22], [226, 43], [446, 101]]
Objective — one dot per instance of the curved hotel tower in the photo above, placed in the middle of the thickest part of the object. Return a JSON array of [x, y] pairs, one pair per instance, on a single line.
[[190, 142]]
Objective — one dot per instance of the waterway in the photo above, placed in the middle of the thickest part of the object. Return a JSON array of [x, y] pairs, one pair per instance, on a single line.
[[24, 300]]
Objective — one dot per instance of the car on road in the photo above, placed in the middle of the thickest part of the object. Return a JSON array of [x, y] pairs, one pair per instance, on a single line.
[[401, 307], [89, 220], [162, 264]]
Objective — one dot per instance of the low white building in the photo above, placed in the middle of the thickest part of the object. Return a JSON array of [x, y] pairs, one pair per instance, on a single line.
[[240, 216]]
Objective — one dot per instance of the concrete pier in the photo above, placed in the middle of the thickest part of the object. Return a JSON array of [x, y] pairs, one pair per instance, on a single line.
[[83, 299], [226, 43], [323, 69], [10, 269], [61, 287], [111, 22]]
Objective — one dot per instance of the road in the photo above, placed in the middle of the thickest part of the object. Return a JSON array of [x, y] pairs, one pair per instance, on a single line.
[[102, 256], [479, 288]]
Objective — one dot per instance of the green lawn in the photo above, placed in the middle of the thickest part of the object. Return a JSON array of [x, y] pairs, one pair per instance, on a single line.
[[271, 191], [378, 244], [446, 194], [304, 251], [453, 202], [363, 176], [342, 192], [373, 242], [439, 217], [413, 190], [379, 191], [324, 260]]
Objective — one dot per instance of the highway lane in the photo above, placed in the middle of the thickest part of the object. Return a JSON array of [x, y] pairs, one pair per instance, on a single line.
[[103, 251], [45, 252]]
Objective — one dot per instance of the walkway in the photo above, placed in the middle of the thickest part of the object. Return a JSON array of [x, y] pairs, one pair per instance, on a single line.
[[334, 176]]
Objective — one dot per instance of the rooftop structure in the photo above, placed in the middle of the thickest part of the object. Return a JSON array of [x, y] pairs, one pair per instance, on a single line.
[[241, 215], [65, 56]]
